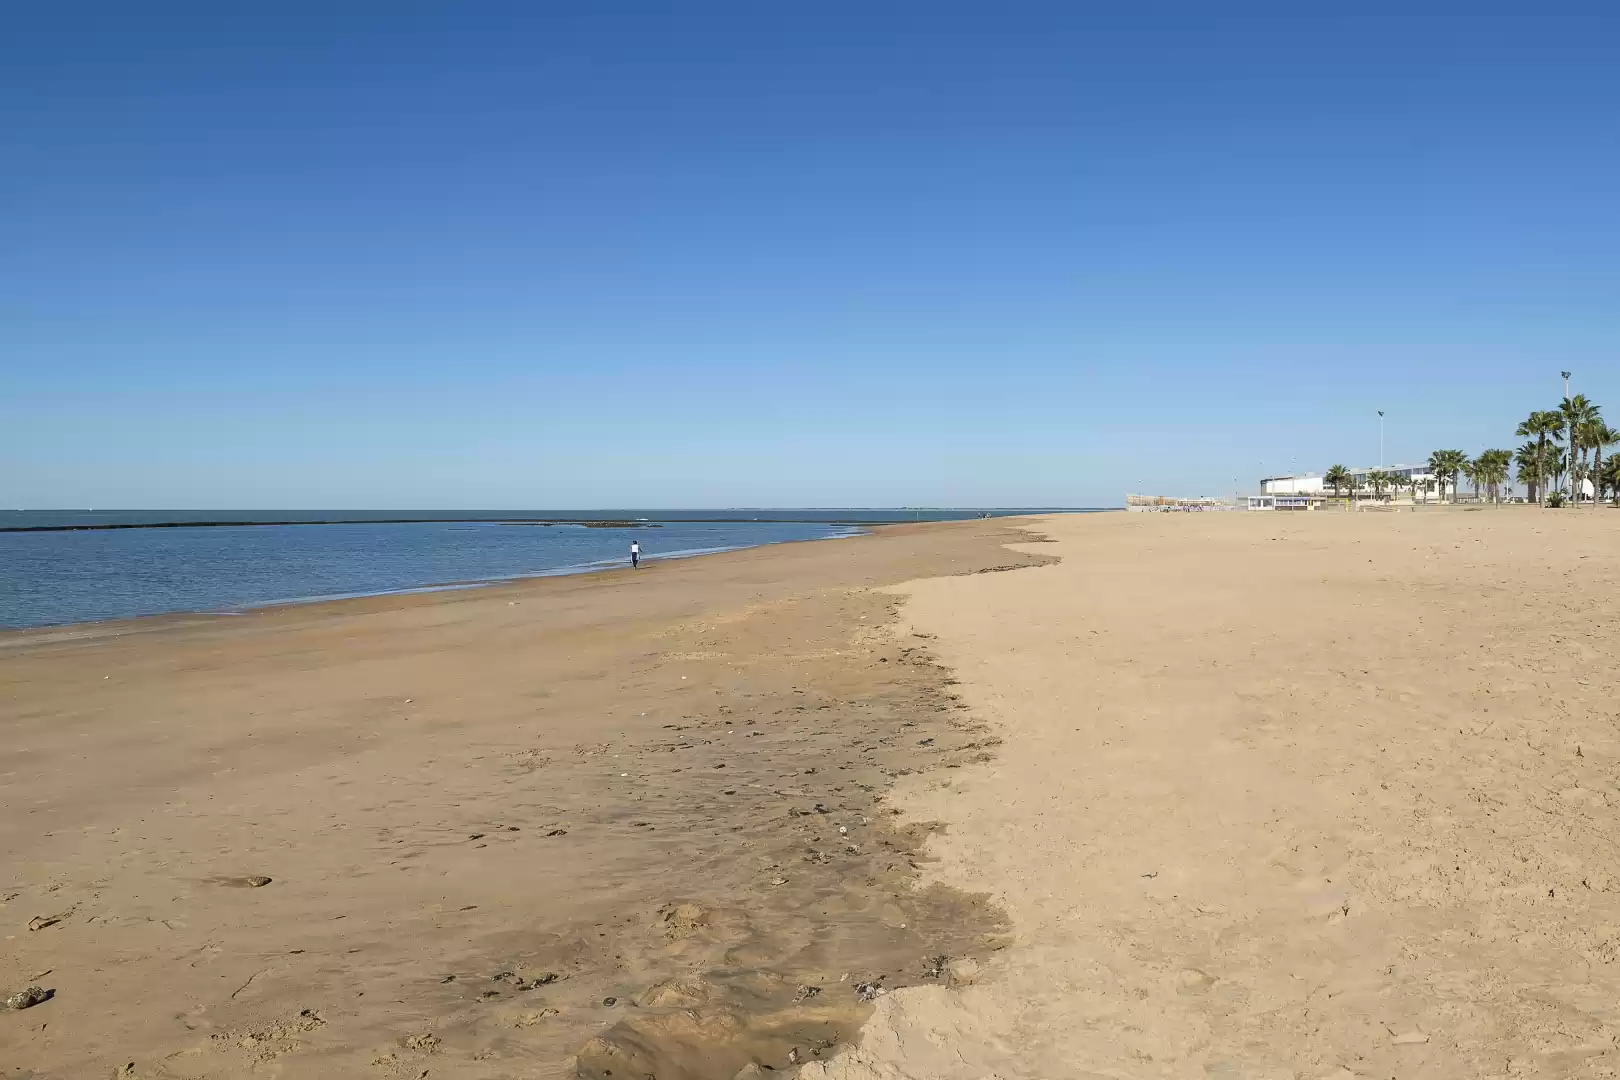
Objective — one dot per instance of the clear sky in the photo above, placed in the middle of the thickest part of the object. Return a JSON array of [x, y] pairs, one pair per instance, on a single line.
[[410, 255]]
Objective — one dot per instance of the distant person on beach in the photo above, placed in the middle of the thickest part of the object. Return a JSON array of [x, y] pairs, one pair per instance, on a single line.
[[635, 555]]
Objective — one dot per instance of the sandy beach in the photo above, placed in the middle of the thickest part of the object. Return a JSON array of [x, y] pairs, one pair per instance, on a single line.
[[809, 541], [626, 823], [1193, 795], [1282, 796]]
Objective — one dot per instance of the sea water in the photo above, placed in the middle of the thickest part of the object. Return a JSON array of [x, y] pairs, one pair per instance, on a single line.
[[51, 578]]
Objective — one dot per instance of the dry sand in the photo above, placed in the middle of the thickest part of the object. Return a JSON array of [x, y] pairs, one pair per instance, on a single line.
[[1282, 796], [622, 824]]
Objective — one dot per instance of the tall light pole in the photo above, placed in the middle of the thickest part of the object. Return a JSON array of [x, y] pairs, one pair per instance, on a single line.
[[1380, 440], [1569, 454]]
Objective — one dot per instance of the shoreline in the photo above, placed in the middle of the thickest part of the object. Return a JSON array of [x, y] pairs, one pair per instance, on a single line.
[[426, 588], [484, 583], [630, 818]]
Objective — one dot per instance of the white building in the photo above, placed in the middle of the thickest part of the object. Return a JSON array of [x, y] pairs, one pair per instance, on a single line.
[[1289, 502], [1407, 476], [1306, 484], [1316, 483]]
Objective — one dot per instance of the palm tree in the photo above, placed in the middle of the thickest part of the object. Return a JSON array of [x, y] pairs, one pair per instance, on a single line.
[[1527, 464], [1491, 469], [1470, 471], [1337, 478], [1356, 482], [1557, 464], [1541, 425], [1577, 412], [1378, 479], [1611, 478], [1447, 465], [1596, 435], [1437, 469]]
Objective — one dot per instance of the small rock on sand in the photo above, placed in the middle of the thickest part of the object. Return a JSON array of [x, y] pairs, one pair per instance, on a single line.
[[1193, 981], [251, 881], [963, 972], [27, 999]]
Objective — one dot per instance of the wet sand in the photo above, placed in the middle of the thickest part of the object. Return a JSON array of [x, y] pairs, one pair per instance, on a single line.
[[1281, 796], [627, 824]]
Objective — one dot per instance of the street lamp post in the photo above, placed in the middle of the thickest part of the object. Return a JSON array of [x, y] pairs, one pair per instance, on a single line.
[[1569, 454], [1380, 440]]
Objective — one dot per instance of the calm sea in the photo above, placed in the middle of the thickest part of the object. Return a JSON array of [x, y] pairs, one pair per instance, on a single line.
[[51, 578]]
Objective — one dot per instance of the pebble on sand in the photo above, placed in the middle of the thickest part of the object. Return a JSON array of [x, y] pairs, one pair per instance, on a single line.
[[252, 881], [27, 999]]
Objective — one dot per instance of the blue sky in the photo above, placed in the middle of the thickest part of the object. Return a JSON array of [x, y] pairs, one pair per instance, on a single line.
[[413, 255]]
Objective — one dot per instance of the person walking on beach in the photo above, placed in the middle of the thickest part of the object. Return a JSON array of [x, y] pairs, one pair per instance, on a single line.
[[635, 555]]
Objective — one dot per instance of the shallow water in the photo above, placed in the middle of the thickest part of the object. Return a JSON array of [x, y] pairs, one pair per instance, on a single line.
[[51, 578], [114, 571]]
